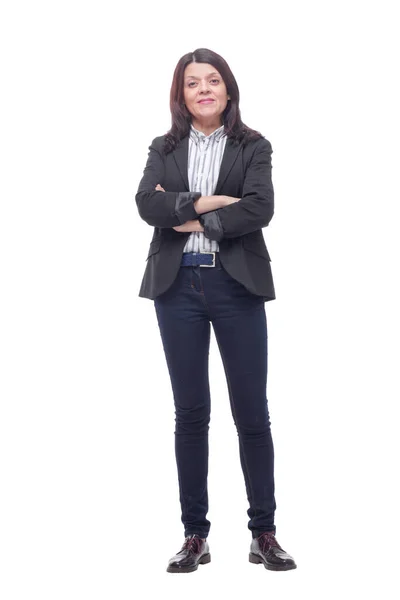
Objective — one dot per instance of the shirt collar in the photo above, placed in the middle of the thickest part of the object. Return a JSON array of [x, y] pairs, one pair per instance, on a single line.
[[197, 135]]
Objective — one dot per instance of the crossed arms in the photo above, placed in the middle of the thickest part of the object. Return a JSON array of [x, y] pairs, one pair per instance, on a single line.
[[218, 216]]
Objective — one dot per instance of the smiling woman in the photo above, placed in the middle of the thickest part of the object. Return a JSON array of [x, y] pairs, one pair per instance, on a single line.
[[207, 191]]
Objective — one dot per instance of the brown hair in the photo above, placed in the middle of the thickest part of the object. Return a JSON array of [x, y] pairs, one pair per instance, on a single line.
[[181, 117]]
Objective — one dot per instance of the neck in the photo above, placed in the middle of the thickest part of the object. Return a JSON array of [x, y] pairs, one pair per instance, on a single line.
[[206, 127]]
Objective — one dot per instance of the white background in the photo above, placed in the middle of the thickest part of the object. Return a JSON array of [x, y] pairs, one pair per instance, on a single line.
[[89, 501]]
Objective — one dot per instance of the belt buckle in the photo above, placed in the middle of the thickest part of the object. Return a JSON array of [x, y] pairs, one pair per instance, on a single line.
[[213, 263]]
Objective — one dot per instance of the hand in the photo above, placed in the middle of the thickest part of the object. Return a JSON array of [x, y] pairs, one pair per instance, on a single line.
[[189, 226], [230, 200], [159, 188]]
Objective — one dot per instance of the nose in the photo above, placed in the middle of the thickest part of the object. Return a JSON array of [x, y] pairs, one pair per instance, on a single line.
[[204, 86]]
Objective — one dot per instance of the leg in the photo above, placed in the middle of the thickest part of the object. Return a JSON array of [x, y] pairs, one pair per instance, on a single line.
[[241, 333], [185, 332]]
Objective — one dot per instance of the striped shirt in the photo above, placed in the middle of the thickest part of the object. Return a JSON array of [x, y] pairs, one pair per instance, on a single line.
[[204, 161]]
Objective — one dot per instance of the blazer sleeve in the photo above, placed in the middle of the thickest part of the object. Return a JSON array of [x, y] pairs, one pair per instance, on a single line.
[[162, 209], [256, 207]]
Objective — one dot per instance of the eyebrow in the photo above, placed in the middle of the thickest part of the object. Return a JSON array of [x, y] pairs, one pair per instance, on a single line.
[[193, 76]]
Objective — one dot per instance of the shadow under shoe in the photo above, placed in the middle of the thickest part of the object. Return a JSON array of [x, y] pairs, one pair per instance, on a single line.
[[193, 553], [266, 550]]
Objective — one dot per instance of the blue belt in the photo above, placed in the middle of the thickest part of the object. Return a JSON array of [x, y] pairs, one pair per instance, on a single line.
[[194, 259]]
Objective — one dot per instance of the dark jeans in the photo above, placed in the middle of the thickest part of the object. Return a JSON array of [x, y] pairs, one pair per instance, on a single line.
[[198, 296]]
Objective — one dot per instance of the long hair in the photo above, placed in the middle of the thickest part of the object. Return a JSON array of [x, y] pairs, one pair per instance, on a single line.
[[234, 128]]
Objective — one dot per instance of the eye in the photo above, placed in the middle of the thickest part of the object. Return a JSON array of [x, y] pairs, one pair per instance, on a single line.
[[190, 82]]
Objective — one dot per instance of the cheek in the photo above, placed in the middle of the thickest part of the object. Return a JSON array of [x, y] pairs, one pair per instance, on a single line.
[[188, 98], [222, 96]]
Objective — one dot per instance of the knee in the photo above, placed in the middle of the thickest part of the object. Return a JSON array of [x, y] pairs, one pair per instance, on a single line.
[[192, 421], [256, 427]]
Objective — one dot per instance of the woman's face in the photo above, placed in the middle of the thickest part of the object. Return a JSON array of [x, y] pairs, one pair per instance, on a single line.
[[202, 81]]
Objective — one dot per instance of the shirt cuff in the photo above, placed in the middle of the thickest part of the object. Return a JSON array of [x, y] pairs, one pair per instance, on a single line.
[[184, 208], [212, 225]]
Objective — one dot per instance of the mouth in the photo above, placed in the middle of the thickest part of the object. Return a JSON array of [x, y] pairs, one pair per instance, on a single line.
[[206, 101]]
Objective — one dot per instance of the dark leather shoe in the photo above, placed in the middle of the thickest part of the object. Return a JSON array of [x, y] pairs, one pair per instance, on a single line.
[[193, 553], [266, 550]]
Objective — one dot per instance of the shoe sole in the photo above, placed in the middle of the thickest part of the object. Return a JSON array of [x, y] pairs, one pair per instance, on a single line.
[[256, 559], [206, 558]]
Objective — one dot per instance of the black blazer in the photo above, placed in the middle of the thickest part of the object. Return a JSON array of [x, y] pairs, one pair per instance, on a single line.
[[245, 173]]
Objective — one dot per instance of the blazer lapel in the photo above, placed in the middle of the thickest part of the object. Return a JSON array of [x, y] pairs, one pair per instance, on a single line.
[[181, 158], [230, 153]]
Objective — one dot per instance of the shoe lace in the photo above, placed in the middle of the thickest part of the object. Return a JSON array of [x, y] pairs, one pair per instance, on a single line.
[[192, 544], [266, 540]]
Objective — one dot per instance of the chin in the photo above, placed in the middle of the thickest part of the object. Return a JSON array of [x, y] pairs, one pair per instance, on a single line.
[[209, 111]]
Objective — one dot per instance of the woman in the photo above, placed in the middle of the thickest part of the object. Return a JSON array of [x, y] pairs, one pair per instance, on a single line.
[[207, 191]]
